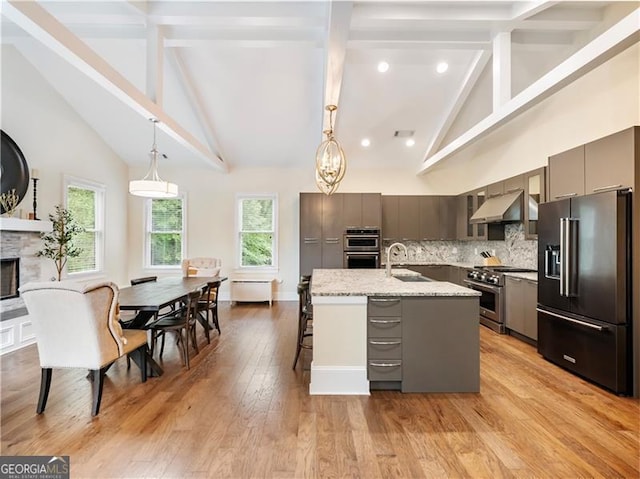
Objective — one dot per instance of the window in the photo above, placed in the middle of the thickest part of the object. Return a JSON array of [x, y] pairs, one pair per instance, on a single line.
[[85, 201], [165, 237], [256, 220]]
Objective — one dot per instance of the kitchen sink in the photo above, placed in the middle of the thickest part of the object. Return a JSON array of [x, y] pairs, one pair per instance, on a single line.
[[413, 279]]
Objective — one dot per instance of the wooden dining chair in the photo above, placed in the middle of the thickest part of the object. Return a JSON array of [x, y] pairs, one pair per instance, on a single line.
[[305, 318], [208, 306], [183, 320]]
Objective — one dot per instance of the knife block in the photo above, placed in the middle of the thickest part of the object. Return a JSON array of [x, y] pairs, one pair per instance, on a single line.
[[492, 261]]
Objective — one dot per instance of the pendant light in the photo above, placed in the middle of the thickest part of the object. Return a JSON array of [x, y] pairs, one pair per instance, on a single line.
[[331, 163], [152, 186]]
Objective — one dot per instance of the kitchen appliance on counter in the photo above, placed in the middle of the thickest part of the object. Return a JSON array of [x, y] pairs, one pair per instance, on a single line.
[[361, 248], [489, 281], [584, 287]]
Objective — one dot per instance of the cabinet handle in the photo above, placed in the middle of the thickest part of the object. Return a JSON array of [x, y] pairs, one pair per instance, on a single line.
[[384, 365], [515, 280], [384, 300], [387, 239], [566, 195], [571, 320], [331, 241], [384, 343], [384, 321], [610, 187]]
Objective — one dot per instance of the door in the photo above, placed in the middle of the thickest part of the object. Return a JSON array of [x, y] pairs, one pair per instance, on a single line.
[[310, 232], [352, 210], [608, 162], [390, 218], [371, 210], [566, 174], [601, 282], [549, 215], [429, 207]]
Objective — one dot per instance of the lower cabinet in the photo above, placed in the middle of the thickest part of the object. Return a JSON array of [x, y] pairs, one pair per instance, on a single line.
[[440, 272], [423, 344], [521, 298]]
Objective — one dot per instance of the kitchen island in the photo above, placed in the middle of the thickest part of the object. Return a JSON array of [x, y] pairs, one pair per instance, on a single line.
[[371, 331]]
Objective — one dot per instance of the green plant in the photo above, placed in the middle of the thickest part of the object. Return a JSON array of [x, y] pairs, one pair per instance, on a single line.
[[58, 244]]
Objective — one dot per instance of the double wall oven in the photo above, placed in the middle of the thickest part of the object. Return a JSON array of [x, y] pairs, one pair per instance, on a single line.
[[361, 248], [489, 281]]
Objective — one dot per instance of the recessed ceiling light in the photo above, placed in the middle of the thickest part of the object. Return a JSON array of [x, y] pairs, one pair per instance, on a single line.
[[365, 142], [442, 67], [410, 142], [383, 67]]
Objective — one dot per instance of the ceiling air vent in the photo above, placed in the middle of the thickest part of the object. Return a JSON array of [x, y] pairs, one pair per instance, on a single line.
[[404, 133]]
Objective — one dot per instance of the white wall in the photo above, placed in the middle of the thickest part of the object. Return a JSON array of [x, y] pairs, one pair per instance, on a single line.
[[56, 141]]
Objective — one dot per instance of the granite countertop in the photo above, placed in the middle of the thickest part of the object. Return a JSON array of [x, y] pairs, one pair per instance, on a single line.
[[374, 282], [529, 276], [430, 263]]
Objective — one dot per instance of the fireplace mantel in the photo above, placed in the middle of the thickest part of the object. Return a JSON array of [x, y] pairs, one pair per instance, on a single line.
[[17, 224]]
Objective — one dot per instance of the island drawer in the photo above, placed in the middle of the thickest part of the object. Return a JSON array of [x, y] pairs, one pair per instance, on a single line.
[[384, 348], [384, 327], [384, 306], [385, 370]]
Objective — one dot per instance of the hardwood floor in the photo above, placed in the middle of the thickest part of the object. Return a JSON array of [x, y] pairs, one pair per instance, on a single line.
[[242, 412]]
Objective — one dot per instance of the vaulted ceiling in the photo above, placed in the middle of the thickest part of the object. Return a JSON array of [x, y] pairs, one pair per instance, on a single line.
[[244, 84]]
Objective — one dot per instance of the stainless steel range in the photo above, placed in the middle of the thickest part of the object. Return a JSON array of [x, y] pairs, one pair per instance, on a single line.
[[489, 281]]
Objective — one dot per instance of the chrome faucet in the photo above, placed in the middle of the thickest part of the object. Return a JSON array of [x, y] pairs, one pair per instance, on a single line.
[[388, 265]]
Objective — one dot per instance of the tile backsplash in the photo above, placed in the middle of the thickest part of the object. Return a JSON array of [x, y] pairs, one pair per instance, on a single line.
[[514, 250]]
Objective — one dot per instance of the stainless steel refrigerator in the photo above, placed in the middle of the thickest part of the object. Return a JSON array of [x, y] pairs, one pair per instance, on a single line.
[[584, 287]]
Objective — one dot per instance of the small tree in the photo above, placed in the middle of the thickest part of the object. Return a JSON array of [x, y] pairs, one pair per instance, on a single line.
[[58, 245]]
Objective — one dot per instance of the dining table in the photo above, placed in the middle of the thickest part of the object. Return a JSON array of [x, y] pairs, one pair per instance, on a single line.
[[148, 299]]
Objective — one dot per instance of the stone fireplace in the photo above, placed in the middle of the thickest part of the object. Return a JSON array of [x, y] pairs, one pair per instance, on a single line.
[[19, 243]]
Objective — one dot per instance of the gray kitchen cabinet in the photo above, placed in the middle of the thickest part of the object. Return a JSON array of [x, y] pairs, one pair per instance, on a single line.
[[390, 224], [372, 210], [566, 174], [515, 183], [310, 232], [464, 210], [408, 218], [440, 344], [480, 231], [534, 194], [608, 162], [362, 210], [384, 342], [429, 211], [520, 303], [447, 206], [332, 230], [457, 275]]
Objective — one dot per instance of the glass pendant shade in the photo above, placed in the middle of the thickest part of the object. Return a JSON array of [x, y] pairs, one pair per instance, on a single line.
[[152, 186], [331, 163]]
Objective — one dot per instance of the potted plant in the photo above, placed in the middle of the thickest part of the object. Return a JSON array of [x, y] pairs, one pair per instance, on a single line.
[[58, 244]]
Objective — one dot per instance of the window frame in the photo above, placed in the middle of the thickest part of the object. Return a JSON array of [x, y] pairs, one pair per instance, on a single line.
[[238, 232], [100, 191], [147, 235]]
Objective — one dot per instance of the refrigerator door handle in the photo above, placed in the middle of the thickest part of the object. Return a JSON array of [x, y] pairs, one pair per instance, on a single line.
[[568, 256], [571, 320]]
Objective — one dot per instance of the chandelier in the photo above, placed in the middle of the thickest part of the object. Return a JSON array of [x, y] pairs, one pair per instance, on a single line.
[[331, 163], [152, 186]]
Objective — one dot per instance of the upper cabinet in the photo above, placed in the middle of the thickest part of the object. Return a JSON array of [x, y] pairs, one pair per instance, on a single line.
[[566, 174], [601, 165], [608, 162], [362, 210]]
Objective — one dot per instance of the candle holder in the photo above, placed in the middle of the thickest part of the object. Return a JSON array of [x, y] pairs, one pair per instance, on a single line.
[[35, 199]]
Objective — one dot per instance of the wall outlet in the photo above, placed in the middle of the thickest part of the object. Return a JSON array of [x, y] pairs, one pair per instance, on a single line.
[[454, 250], [475, 250], [493, 252]]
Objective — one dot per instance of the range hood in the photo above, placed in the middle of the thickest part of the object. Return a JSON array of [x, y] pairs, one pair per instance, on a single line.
[[500, 209]]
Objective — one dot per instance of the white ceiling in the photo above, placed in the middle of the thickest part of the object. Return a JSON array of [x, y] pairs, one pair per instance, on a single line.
[[247, 82]]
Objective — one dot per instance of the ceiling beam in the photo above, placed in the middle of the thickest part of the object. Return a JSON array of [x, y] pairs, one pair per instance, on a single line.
[[195, 100], [619, 37], [155, 64], [501, 69], [337, 37], [41, 25], [479, 63]]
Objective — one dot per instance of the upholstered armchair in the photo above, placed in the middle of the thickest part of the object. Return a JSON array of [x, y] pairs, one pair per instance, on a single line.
[[76, 326], [201, 267]]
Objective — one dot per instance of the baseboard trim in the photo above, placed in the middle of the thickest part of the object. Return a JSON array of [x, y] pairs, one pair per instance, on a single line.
[[339, 380]]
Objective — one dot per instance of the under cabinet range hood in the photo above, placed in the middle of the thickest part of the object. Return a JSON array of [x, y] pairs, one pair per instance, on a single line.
[[500, 209]]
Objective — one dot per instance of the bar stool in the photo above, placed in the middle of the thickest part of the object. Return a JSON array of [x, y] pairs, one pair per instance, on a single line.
[[305, 317]]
